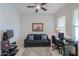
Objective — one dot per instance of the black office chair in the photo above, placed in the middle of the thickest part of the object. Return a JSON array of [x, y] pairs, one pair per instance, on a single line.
[[56, 44]]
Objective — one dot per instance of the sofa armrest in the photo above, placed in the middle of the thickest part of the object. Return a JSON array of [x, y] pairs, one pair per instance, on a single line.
[[25, 40], [49, 40]]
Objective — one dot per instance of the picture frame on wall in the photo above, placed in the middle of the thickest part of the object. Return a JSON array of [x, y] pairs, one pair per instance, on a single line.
[[37, 26]]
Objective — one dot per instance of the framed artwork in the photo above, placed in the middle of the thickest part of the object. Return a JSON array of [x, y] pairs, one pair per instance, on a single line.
[[37, 26]]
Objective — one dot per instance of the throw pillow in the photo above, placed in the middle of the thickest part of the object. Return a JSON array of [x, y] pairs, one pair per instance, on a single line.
[[44, 37], [31, 37]]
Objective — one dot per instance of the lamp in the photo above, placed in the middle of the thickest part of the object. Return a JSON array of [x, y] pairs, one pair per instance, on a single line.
[[57, 30]]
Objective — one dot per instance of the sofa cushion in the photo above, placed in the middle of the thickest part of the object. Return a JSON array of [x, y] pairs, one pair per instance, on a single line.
[[38, 41], [37, 37], [41, 41]]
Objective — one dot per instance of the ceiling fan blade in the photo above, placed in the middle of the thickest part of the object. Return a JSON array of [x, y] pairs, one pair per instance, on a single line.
[[30, 6], [43, 8], [43, 3], [36, 10]]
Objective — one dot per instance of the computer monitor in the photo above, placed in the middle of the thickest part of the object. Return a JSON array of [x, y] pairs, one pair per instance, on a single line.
[[10, 34]]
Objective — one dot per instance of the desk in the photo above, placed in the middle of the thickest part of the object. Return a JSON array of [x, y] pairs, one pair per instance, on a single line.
[[65, 45]]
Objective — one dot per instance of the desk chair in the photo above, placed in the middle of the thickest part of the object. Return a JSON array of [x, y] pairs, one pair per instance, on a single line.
[[56, 44]]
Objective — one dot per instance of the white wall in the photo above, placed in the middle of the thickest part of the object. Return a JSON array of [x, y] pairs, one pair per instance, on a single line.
[[0, 24], [0, 30], [67, 10], [9, 19], [27, 20]]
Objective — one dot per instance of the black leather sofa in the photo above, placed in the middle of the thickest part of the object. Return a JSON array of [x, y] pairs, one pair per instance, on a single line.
[[36, 40]]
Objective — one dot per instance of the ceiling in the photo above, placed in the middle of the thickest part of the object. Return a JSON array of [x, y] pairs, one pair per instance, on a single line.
[[51, 8]]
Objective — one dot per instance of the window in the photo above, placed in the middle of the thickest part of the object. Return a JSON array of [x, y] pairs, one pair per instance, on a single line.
[[61, 24], [75, 24]]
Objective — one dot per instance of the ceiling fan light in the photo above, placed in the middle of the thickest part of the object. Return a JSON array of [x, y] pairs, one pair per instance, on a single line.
[[38, 7]]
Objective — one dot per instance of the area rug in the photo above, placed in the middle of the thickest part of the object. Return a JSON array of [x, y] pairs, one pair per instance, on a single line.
[[37, 51]]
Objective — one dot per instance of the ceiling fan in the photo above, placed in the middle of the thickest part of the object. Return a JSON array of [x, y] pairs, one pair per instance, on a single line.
[[38, 6]]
